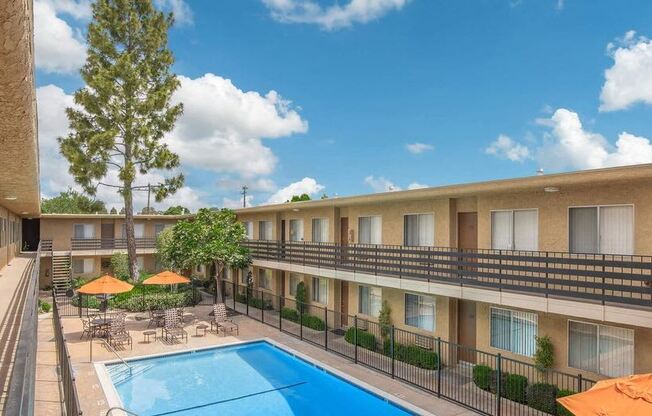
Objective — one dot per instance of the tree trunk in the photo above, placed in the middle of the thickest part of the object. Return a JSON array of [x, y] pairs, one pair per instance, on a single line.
[[129, 227], [218, 282]]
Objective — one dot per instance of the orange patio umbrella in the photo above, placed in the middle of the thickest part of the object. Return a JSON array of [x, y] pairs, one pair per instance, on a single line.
[[166, 278], [631, 396], [105, 285]]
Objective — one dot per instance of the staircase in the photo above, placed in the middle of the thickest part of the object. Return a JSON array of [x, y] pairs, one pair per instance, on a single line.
[[61, 273]]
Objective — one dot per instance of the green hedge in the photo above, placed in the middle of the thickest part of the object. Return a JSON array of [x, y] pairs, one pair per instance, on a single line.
[[309, 321], [515, 387], [255, 302], [290, 314], [142, 298], [493, 386], [365, 339], [561, 410], [482, 376], [412, 354], [542, 396]]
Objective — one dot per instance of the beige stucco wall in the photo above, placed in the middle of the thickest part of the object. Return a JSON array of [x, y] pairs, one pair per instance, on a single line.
[[11, 248]]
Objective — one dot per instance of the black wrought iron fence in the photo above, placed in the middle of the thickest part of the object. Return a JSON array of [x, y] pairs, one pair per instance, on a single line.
[[67, 374], [484, 382]]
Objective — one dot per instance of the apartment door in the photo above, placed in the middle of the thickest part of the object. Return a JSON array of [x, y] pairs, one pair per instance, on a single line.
[[107, 234], [466, 330], [344, 307], [467, 235]]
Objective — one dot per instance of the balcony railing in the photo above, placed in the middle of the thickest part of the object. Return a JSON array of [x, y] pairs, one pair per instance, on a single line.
[[606, 278], [110, 243]]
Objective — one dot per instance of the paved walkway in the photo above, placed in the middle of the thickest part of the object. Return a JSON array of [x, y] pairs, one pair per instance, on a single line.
[[47, 396]]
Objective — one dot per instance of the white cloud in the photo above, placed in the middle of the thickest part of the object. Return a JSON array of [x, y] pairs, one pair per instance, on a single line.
[[52, 123], [331, 17], [258, 184], [222, 127], [417, 147], [237, 203], [416, 185], [304, 186], [182, 12], [380, 184], [629, 80], [569, 145], [58, 47], [506, 148]]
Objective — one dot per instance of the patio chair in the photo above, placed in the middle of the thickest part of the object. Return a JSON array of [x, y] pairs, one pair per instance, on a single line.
[[221, 321], [87, 328], [156, 318], [117, 333], [173, 326]]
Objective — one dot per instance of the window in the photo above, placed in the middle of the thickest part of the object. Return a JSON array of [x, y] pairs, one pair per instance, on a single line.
[[83, 266], [603, 229], [264, 230], [83, 231], [294, 282], [320, 230], [139, 230], [419, 230], [369, 230], [158, 228], [369, 300], [514, 331], [296, 230], [265, 279], [420, 311], [140, 260], [320, 290], [515, 230], [249, 229], [606, 350]]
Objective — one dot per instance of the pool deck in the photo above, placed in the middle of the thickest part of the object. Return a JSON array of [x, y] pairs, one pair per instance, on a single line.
[[94, 402]]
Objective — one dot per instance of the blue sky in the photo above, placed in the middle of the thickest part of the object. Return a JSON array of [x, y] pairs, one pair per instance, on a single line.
[[374, 96]]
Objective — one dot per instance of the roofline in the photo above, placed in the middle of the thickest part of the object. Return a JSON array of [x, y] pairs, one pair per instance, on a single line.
[[116, 216], [527, 183]]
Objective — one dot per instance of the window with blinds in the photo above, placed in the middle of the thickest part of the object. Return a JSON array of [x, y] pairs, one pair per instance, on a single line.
[[320, 290], [369, 230], [139, 230], [296, 230], [320, 230], [264, 230], [84, 231], [265, 278], [294, 282], [83, 266], [420, 311], [515, 230], [514, 331], [369, 300], [602, 349], [158, 229], [601, 229], [249, 229], [419, 230]]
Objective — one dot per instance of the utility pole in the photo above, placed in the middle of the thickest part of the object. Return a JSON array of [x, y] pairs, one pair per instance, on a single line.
[[244, 196], [149, 192]]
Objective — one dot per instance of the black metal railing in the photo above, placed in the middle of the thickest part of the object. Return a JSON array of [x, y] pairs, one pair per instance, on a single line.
[[66, 372], [485, 382], [606, 278], [110, 243], [20, 398]]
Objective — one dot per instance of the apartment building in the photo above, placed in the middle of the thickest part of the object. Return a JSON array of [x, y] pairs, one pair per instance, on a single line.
[[489, 265]]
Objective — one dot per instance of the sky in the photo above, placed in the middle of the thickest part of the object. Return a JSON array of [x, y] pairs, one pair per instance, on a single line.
[[359, 96]]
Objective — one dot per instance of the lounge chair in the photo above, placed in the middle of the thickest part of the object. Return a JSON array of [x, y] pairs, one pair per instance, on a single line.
[[117, 332], [173, 326], [221, 321], [156, 318]]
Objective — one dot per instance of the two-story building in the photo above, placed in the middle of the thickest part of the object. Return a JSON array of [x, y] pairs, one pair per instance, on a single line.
[[489, 265]]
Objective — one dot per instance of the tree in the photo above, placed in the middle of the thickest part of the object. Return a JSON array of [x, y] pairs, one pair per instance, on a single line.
[[150, 210], [177, 210], [124, 110], [299, 198], [113, 211], [211, 237], [385, 319], [301, 296], [120, 265], [72, 202]]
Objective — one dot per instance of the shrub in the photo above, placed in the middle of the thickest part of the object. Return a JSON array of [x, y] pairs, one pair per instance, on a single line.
[[482, 376], [290, 314], [493, 383], [254, 302], [515, 387], [44, 306], [561, 410], [412, 354], [544, 357], [313, 322], [301, 295], [542, 396], [385, 319], [365, 339], [120, 265]]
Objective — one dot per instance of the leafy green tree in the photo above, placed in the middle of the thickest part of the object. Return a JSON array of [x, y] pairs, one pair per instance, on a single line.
[[124, 109], [385, 319], [299, 198], [301, 296], [211, 237], [72, 202], [114, 211], [120, 265], [177, 210]]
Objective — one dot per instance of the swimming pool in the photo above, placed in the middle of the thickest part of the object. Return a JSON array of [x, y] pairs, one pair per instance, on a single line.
[[245, 379]]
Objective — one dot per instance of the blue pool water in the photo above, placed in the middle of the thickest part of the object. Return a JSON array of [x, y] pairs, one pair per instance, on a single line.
[[254, 378]]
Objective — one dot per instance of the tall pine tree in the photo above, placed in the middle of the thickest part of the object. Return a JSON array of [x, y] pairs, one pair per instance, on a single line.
[[124, 110]]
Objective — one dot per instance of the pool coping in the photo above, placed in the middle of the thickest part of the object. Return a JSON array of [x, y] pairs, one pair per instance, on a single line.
[[113, 398]]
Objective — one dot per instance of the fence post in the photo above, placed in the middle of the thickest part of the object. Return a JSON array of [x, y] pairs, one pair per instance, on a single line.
[[281, 304], [79, 306], [247, 299], [391, 346], [326, 328], [438, 366], [235, 290], [498, 383], [301, 321], [579, 383], [262, 306], [355, 338]]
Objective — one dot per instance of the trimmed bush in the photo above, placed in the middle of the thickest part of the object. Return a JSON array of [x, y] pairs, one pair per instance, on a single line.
[[542, 396], [515, 387], [254, 302], [482, 376], [561, 410], [412, 354], [493, 386], [290, 314], [44, 306], [365, 339], [313, 322]]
